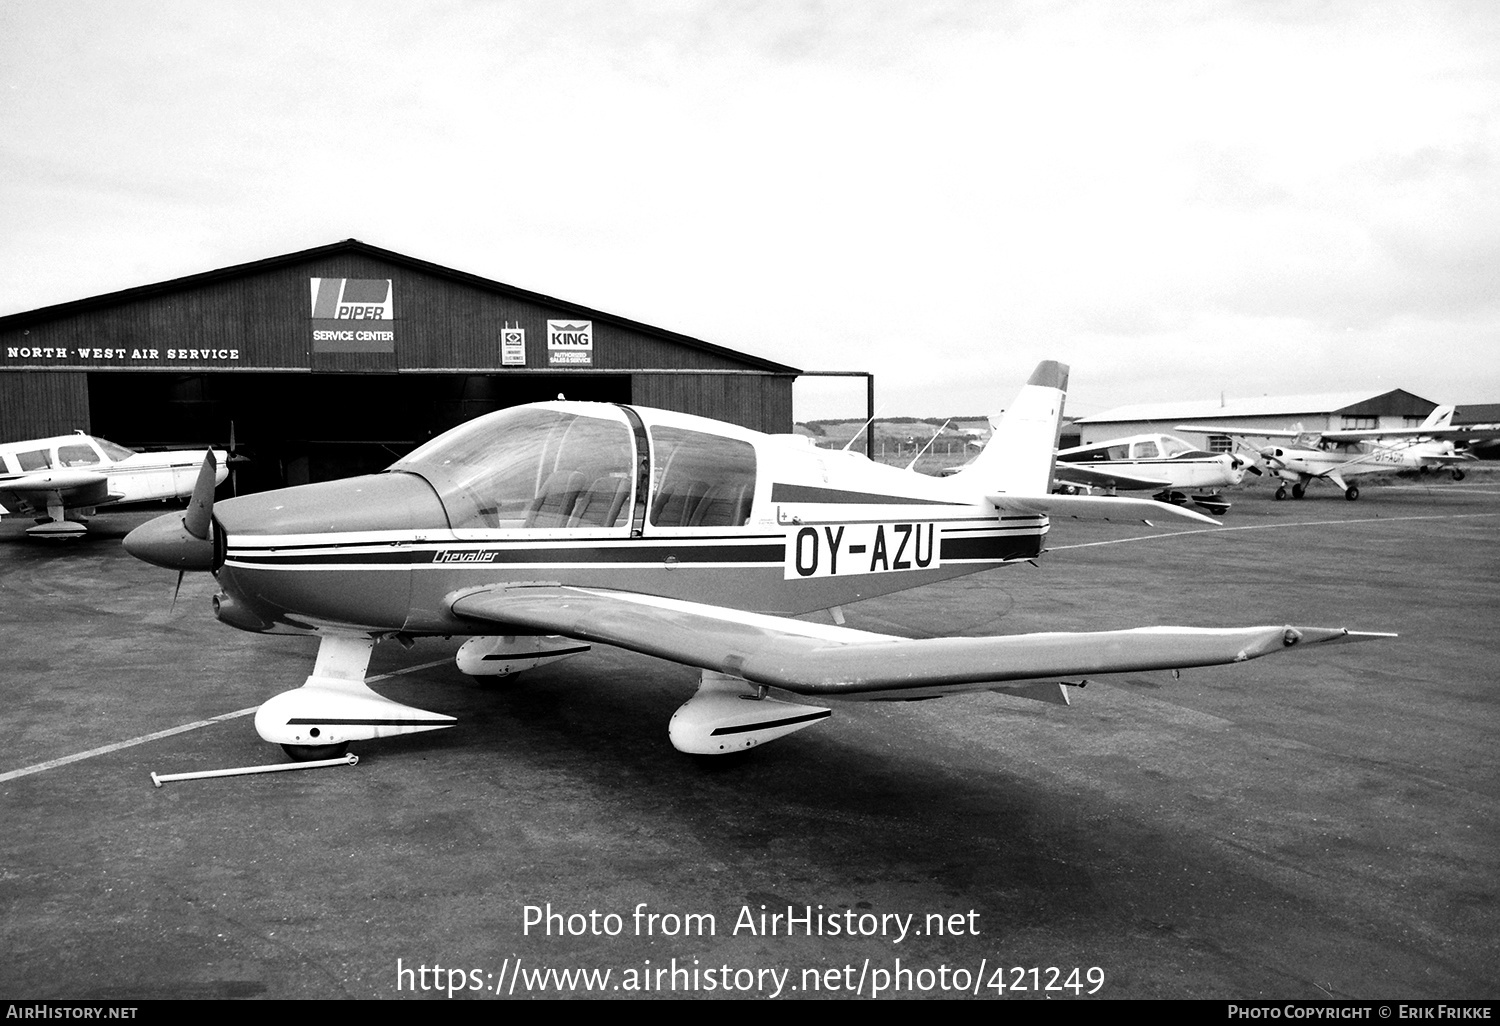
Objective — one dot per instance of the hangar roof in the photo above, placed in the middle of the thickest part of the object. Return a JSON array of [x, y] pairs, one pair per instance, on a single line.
[[1253, 406], [1477, 413], [109, 299]]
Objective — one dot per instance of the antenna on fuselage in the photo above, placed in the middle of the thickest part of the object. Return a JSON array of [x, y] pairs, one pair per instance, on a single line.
[[853, 438], [934, 438]]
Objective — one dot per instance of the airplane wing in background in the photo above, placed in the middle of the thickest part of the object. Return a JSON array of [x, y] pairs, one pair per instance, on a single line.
[[71, 487], [1415, 434], [824, 661], [1240, 431], [1093, 477]]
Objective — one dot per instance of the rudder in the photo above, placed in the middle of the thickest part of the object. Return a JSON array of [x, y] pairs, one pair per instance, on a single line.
[[1018, 457]]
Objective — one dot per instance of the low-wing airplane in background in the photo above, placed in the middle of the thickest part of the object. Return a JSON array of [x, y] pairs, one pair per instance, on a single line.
[[539, 529], [68, 477], [1334, 456], [1159, 463]]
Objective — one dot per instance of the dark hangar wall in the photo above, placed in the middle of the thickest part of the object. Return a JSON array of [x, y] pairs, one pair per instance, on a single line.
[[175, 363]]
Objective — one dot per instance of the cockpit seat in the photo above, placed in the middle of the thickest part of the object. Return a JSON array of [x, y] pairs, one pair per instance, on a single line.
[[677, 502], [725, 505], [600, 505], [554, 504]]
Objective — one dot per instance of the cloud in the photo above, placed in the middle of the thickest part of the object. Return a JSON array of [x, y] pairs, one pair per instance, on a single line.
[[939, 192]]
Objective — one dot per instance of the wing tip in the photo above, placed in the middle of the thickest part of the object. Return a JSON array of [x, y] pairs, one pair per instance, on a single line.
[[1330, 635]]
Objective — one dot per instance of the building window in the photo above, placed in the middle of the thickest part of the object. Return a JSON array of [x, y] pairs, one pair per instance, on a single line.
[[1360, 423]]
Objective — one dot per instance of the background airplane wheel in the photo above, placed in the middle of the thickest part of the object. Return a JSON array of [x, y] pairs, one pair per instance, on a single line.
[[1298, 491], [1281, 493], [1352, 493], [1458, 475], [312, 753]]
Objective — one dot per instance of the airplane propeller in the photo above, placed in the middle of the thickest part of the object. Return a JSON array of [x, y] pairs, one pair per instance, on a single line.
[[184, 543], [1250, 462], [236, 456], [1236, 462]]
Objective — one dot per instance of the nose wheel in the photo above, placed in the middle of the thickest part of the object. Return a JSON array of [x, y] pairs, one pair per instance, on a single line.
[[312, 753]]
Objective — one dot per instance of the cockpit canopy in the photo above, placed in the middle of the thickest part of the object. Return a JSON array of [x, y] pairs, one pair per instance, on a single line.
[[1151, 447], [572, 466], [69, 452]]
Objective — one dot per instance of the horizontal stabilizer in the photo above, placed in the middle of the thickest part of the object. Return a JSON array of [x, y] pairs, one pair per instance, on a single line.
[[1096, 507]]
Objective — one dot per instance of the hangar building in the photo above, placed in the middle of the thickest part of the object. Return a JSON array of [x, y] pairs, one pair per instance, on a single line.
[[1329, 411], [337, 360]]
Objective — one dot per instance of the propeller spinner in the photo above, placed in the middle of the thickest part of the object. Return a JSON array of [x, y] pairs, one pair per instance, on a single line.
[[186, 542]]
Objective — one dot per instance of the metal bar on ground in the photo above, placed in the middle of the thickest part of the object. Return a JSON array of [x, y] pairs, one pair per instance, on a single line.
[[345, 760]]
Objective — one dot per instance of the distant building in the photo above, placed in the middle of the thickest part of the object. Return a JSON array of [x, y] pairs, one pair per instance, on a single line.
[[339, 360], [1327, 411]]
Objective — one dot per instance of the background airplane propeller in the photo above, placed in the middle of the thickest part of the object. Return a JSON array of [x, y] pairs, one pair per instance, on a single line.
[[1239, 459]]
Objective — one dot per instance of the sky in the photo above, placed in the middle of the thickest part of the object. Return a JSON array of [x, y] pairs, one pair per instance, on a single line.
[[1180, 200]]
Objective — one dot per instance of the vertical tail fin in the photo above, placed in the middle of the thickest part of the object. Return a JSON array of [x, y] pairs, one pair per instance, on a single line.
[[1018, 458], [1440, 417]]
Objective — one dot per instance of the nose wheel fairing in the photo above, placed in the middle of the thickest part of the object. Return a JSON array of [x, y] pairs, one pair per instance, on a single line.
[[334, 705]]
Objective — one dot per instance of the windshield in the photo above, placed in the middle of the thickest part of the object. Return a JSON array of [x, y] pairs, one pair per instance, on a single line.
[[113, 451], [531, 468], [1177, 449]]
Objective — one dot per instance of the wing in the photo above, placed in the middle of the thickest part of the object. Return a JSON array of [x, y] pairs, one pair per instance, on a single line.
[[1239, 431], [836, 662], [1414, 434], [68, 487], [1078, 473]]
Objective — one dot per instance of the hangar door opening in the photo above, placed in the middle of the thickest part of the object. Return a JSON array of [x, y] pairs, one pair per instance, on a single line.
[[296, 428]]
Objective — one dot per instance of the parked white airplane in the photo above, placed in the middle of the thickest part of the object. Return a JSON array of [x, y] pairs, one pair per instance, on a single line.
[[1162, 463], [539, 530], [1335, 455], [68, 477]]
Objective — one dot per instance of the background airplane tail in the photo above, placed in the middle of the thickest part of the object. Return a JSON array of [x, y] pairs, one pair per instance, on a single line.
[[1440, 417], [1018, 458]]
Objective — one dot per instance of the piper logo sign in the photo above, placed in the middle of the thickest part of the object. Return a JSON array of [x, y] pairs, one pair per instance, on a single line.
[[353, 315], [570, 343]]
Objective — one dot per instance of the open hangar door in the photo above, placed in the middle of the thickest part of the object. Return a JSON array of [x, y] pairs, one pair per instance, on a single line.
[[297, 428]]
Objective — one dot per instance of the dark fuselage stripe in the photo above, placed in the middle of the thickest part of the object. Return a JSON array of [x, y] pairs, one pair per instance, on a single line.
[[405, 555], [972, 546], [812, 493]]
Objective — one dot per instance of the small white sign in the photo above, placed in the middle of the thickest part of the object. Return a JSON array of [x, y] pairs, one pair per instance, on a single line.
[[512, 347]]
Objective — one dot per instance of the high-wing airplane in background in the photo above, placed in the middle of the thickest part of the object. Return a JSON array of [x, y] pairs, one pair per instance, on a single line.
[[68, 477], [1159, 463], [1334, 456], [539, 529]]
